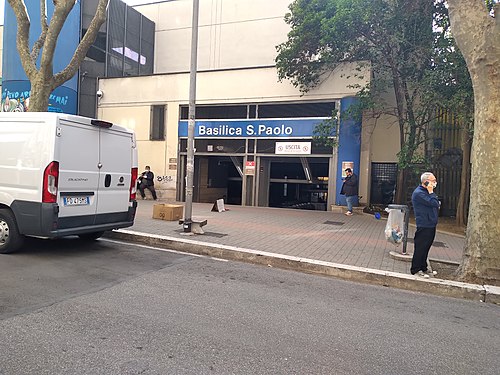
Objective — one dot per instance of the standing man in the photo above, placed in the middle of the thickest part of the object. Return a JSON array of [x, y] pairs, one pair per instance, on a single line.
[[350, 190], [146, 181], [425, 205]]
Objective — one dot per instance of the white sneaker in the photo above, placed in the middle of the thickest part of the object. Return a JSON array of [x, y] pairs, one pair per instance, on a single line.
[[422, 274], [348, 213], [429, 272]]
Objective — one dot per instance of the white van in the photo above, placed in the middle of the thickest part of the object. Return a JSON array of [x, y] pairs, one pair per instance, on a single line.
[[64, 175]]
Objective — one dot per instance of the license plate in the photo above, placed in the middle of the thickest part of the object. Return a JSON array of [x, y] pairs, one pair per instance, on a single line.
[[76, 201]]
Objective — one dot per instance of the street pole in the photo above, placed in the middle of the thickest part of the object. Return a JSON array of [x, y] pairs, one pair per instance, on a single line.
[[188, 208]]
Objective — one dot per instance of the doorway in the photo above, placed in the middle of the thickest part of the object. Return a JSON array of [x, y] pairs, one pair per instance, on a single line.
[[300, 183], [218, 177]]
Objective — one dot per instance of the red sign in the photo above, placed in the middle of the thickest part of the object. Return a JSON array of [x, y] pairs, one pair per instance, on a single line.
[[250, 168]]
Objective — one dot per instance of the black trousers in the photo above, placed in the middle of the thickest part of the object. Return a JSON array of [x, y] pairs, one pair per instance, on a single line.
[[151, 188], [424, 237]]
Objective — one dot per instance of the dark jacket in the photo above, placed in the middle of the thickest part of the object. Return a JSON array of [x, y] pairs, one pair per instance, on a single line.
[[426, 207], [350, 186], [147, 178]]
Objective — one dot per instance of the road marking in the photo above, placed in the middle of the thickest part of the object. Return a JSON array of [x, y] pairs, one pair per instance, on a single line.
[[162, 249]]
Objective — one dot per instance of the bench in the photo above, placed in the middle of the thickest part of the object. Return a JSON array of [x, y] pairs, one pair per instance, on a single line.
[[193, 226]]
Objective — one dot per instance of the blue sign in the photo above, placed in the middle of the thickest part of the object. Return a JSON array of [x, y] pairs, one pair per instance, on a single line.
[[16, 88], [251, 128]]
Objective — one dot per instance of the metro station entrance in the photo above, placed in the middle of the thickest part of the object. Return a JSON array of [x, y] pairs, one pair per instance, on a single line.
[[294, 182], [218, 177], [283, 182], [269, 161]]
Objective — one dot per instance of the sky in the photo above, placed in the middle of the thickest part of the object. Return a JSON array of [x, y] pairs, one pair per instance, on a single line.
[[129, 2]]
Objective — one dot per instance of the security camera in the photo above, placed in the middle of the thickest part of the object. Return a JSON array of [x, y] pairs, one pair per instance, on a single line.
[[99, 94]]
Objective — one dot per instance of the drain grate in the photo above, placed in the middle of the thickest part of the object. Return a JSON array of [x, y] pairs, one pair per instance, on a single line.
[[209, 234], [435, 243], [333, 222], [214, 234], [439, 244]]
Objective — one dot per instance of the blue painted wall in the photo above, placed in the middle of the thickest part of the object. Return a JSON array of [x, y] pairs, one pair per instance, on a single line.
[[349, 145], [15, 84]]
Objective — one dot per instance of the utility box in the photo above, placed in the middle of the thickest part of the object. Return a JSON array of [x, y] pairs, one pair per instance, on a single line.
[[169, 212]]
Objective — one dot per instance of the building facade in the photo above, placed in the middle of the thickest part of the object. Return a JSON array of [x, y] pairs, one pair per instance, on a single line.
[[254, 135], [254, 143], [124, 47]]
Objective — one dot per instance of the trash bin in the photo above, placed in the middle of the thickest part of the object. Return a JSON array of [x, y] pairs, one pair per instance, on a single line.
[[406, 212]]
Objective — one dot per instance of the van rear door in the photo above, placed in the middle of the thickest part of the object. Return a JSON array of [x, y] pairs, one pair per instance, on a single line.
[[77, 152], [115, 156]]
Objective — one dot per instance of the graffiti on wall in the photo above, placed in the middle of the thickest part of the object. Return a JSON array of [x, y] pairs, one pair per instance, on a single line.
[[18, 101], [16, 98], [15, 105]]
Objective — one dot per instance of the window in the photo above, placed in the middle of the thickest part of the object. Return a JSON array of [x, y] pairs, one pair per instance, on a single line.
[[384, 176], [261, 111], [157, 131], [218, 112], [298, 110]]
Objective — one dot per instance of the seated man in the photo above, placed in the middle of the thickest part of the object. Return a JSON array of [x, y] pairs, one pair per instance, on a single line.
[[146, 181]]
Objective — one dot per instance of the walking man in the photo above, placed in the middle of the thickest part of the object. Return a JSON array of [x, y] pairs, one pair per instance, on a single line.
[[350, 190], [425, 205], [146, 181]]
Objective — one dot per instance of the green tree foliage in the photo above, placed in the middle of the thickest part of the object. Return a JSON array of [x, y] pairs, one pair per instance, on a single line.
[[400, 40], [451, 86]]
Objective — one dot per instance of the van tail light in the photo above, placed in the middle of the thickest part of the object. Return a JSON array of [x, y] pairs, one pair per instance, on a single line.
[[50, 183], [133, 184]]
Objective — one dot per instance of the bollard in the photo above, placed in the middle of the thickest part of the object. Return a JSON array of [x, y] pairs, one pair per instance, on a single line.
[[186, 226], [406, 211]]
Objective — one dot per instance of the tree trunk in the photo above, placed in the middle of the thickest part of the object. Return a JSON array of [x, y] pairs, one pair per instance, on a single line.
[[42, 79], [463, 199], [398, 92], [400, 187], [478, 36], [40, 94]]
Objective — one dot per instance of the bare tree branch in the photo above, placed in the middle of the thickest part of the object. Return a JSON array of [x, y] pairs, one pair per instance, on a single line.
[[23, 30], [85, 43], [43, 80], [41, 40], [61, 12]]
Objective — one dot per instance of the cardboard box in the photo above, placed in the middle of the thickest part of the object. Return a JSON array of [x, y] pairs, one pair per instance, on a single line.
[[168, 211]]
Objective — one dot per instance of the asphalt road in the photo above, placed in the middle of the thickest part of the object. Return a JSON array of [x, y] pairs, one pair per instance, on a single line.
[[67, 307]]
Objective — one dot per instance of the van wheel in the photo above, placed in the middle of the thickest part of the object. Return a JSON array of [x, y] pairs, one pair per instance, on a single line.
[[10, 238], [91, 236]]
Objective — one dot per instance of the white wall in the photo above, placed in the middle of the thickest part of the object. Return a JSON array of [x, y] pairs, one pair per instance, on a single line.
[[232, 33], [385, 139], [236, 64], [231, 86], [127, 101]]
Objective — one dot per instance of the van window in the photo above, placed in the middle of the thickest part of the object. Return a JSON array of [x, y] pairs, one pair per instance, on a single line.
[[157, 131]]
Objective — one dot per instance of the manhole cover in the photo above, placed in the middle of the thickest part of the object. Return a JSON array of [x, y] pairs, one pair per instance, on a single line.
[[213, 234], [333, 222], [435, 243], [209, 234]]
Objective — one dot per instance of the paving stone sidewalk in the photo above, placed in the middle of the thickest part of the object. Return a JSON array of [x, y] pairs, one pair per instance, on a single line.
[[357, 240]]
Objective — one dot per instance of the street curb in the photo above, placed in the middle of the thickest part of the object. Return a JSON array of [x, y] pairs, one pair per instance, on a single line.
[[492, 294], [434, 286]]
